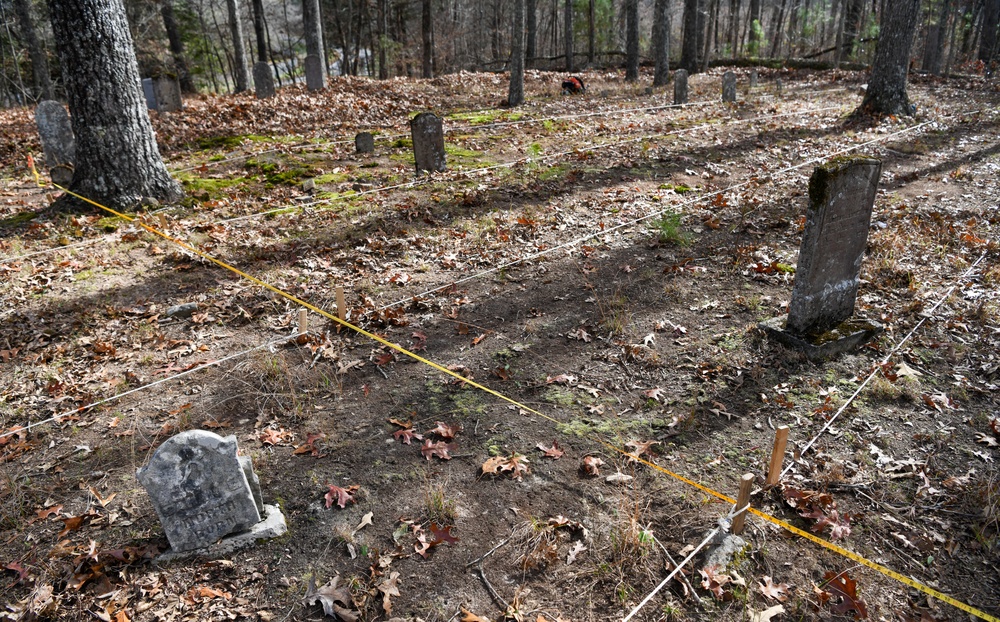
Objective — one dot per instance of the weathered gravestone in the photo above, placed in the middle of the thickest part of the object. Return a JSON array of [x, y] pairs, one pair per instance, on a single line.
[[753, 78], [314, 73], [263, 80], [364, 142], [58, 142], [147, 90], [680, 87], [167, 91], [778, 85], [819, 322], [202, 491], [428, 142], [729, 87]]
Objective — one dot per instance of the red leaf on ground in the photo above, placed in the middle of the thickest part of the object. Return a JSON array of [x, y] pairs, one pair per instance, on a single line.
[[50, 511], [439, 449], [713, 580], [442, 534], [553, 452], [341, 496], [840, 526], [270, 436], [445, 431], [309, 447], [590, 465], [839, 584], [406, 435]]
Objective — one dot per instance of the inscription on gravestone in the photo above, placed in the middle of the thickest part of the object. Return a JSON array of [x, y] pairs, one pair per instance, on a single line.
[[841, 196], [199, 489], [729, 87], [680, 87], [428, 142], [364, 142], [167, 91], [56, 132], [263, 80], [314, 73]]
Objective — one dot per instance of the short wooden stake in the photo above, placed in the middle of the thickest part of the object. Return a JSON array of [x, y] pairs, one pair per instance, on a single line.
[[746, 482], [341, 304], [777, 456], [303, 321], [163, 221]]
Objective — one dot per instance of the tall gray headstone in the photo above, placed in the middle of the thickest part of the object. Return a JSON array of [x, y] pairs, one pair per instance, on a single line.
[[364, 142], [841, 196], [314, 73], [680, 87], [168, 94], [56, 133], [263, 80], [778, 85], [729, 87], [428, 142], [753, 78], [200, 489], [149, 92]]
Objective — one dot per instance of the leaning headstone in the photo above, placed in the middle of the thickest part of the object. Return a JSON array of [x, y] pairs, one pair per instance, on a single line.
[[680, 87], [168, 94], [428, 142], [56, 133], [263, 80], [729, 87], [314, 73], [147, 90], [753, 78], [364, 142], [819, 322], [200, 489]]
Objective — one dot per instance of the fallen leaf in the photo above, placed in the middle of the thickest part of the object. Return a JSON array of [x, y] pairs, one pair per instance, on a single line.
[[561, 379], [442, 534], [365, 521], [766, 615], [471, 617], [439, 449], [340, 496], [336, 600], [44, 513], [389, 587], [777, 591], [714, 580], [445, 431], [591, 464], [575, 551], [839, 584], [406, 435], [553, 452], [309, 446]]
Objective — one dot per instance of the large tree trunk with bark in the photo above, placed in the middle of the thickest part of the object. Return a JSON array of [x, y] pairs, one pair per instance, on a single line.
[[887, 85], [427, 35], [177, 47], [257, 8], [531, 31], [39, 63], [515, 96], [661, 42], [117, 160], [689, 44], [631, 40], [568, 27], [241, 72], [988, 51]]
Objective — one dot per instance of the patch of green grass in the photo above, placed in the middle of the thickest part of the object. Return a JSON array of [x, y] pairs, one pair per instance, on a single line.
[[333, 178], [210, 187], [555, 172], [678, 188], [18, 219], [220, 142]]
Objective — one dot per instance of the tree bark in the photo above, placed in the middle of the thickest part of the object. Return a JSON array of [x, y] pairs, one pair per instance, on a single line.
[[39, 62], [177, 47], [661, 42], [259, 31], [591, 31], [689, 44], [852, 23], [631, 40], [886, 93], [515, 96], [240, 72], [427, 36], [988, 38], [117, 160], [753, 47], [568, 34], [531, 32]]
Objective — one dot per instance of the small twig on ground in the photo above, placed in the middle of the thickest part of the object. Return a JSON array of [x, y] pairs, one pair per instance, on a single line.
[[497, 599], [488, 553]]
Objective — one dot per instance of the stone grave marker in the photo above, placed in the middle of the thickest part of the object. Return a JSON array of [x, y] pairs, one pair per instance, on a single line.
[[167, 91], [778, 84], [841, 196], [428, 142], [680, 87], [147, 90], [729, 87], [200, 489], [314, 73], [58, 142], [364, 142], [263, 80], [753, 78]]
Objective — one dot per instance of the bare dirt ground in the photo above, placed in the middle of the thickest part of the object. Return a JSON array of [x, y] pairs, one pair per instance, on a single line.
[[601, 259]]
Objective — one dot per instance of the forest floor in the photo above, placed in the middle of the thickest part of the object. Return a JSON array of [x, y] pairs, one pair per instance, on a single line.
[[602, 260]]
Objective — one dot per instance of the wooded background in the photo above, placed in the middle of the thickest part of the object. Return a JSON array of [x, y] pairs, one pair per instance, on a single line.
[[193, 39]]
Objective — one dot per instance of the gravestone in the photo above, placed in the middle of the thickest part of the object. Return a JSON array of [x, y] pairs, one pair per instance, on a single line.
[[314, 73], [648, 90], [841, 196], [428, 142], [778, 84], [167, 91], [680, 87], [364, 142], [200, 489], [729, 87], [56, 133], [753, 78], [263, 80], [147, 90]]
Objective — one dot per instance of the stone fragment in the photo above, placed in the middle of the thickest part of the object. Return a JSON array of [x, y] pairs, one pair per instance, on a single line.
[[753, 78], [428, 142]]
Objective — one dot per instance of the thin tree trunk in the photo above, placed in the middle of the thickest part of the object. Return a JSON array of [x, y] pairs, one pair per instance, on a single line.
[[591, 31], [426, 33], [631, 40], [988, 37], [778, 26], [383, 39], [707, 42], [240, 71], [257, 7], [661, 42], [39, 62], [515, 96], [689, 44], [568, 34], [531, 32]]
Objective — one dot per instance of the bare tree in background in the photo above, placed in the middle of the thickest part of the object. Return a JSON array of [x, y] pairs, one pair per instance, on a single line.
[[515, 96], [887, 85]]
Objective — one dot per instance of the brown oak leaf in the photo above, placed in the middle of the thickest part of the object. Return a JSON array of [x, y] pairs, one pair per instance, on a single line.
[[777, 591], [553, 452], [336, 600], [471, 617], [445, 431], [340, 496], [389, 587], [591, 464], [309, 446], [714, 580], [406, 435], [839, 584], [439, 449]]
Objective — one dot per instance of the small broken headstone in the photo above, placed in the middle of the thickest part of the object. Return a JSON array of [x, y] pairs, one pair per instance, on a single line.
[[841, 197], [149, 93], [680, 87], [314, 73], [263, 80], [729, 87], [428, 142], [199, 489], [168, 94], [364, 142], [753, 78], [56, 133]]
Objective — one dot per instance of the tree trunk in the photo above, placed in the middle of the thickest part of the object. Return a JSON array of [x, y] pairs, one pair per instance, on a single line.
[[689, 44], [257, 7], [591, 31], [852, 23], [988, 38], [631, 40], [176, 47], [661, 42], [312, 24], [39, 63], [427, 36], [568, 34], [531, 31], [383, 39], [117, 160], [515, 96], [734, 27], [706, 44], [753, 47], [777, 28], [886, 93], [240, 71]]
